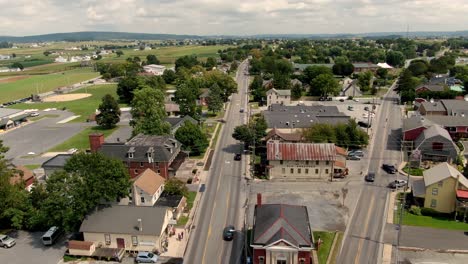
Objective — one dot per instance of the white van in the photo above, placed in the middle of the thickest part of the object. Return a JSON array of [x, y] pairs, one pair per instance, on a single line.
[[51, 236]]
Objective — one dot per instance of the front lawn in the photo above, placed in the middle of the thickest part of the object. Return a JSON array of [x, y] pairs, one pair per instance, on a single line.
[[182, 220], [327, 241], [190, 199], [413, 171], [80, 141], [431, 221]]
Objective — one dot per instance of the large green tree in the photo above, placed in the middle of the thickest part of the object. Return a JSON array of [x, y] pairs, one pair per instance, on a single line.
[[343, 68], [225, 82], [109, 112], [152, 59], [324, 85], [127, 85], [215, 100], [169, 76], [148, 112], [364, 80], [186, 96], [192, 138], [395, 58], [311, 72]]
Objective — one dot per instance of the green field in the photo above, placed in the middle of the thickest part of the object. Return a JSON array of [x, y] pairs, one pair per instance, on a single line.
[[43, 83], [81, 140], [82, 107]]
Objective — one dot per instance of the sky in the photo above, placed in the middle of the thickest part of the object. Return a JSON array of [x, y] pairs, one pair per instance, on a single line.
[[231, 17]]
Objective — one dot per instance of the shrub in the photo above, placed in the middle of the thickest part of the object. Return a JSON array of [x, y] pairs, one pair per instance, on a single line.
[[431, 212], [415, 210]]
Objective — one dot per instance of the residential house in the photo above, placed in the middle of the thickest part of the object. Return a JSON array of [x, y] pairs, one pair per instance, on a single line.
[[276, 135], [56, 163], [147, 188], [170, 95], [435, 144], [442, 188], [431, 88], [177, 122], [457, 126], [295, 117], [281, 234], [154, 69], [134, 228], [305, 161], [10, 118], [172, 109], [23, 176], [203, 98], [282, 97], [160, 153], [445, 107], [432, 108]]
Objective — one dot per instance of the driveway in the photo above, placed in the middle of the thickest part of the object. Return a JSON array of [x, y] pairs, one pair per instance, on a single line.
[[29, 249]]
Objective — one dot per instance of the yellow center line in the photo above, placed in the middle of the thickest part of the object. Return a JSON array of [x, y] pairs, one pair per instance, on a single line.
[[361, 241]]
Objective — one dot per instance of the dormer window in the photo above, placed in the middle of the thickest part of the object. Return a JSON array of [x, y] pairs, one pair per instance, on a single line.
[[131, 152], [130, 155]]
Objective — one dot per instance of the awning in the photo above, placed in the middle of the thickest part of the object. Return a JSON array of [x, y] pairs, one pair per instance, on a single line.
[[462, 194], [340, 164]]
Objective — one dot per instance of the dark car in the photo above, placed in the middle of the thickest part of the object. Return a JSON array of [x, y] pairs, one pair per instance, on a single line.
[[238, 156], [228, 233], [364, 124], [341, 100], [389, 168], [370, 177]]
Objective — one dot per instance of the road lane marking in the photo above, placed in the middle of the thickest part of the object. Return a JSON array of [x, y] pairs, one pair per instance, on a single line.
[[366, 223]]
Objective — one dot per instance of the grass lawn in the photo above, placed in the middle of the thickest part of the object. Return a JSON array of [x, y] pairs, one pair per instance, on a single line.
[[327, 240], [215, 139], [32, 166], [182, 220], [83, 107], [430, 221], [413, 171], [190, 199], [43, 83], [81, 140], [336, 249]]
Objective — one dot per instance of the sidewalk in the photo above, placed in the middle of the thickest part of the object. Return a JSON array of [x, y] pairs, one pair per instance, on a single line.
[[175, 246]]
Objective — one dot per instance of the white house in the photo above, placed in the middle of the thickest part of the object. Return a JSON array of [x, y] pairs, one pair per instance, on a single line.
[[61, 59], [282, 97], [154, 69], [5, 57], [147, 188]]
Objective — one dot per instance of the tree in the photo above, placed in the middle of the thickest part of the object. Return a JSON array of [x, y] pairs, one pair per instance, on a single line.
[[244, 133], [296, 91], [215, 101], [174, 186], [442, 64], [46, 53], [364, 80], [119, 53], [17, 65], [210, 63], [257, 90], [382, 73], [148, 112], [418, 67], [324, 84], [169, 76], [186, 62], [186, 96], [192, 138], [152, 59], [234, 66], [395, 58], [109, 114], [343, 68], [126, 87], [311, 72], [225, 82]]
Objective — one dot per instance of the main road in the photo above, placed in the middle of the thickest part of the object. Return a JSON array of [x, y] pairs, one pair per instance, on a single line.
[[223, 199], [363, 241]]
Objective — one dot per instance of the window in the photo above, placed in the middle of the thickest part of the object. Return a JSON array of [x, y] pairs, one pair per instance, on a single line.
[[142, 199], [130, 155], [301, 261], [159, 171], [261, 260], [327, 162], [135, 240], [299, 171], [141, 164], [306, 171], [326, 171], [135, 171], [281, 261], [316, 162], [433, 203], [107, 239], [435, 191], [316, 171], [307, 162], [283, 170], [440, 184], [437, 146], [281, 162], [292, 170]]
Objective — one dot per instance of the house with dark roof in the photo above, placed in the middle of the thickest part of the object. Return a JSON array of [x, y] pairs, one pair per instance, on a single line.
[[293, 117], [282, 97], [457, 126], [305, 161], [447, 107], [177, 122], [431, 88], [435, 144], [276, 135], [281, 234], [160, 153], [133, 228], [55, 163]]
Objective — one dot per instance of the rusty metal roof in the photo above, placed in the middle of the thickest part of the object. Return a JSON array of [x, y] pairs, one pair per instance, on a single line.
[[301, 151]]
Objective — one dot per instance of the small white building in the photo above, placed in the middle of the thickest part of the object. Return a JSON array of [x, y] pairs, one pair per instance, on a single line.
[[5, 57], [282, 97], [147, 188], [61, 59], [154, 69]]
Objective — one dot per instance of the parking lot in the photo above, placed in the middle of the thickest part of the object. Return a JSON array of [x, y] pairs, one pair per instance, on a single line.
[[29, 249]]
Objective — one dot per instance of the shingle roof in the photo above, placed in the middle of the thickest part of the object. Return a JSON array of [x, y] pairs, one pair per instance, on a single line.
[[175, 121], [430, 132], [432, 87], [433, 106], [456, 107], [295, 137], [301, 151], [441, 172], [274, 222], [280, 92], [57, 161], [81, 245], [149, 181], [447, 121], [171, 201], [123, 219]]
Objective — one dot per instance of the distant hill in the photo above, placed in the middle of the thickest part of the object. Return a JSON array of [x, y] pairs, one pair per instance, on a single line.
[[96, 35], [86, 36]]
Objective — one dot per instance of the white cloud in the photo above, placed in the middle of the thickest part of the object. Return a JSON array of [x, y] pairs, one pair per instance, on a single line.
[[241, 17]]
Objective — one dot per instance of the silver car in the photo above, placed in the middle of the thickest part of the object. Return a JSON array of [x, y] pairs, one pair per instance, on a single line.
[[146, 257], [6, 241]]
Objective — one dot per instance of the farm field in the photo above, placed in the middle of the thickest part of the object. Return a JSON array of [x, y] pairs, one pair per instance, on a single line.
[[83, 107], [43, 83]]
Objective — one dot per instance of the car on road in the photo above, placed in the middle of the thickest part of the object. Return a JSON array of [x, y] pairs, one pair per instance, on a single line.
[[228, 233], [33, 114], [364, 124], [352, 157], [358, 153], [370, 177], [6, 241], [241, 110], [146, 257], [350, 108], [389, 168], [396, 184], [238, 156], [341, 100]]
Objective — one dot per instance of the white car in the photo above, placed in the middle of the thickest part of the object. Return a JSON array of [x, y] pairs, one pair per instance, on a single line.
[[6, 241], [33, 114]]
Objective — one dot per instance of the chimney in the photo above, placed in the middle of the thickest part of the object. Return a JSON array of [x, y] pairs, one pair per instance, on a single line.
[[259, 199], [95, 141], [140, 225]]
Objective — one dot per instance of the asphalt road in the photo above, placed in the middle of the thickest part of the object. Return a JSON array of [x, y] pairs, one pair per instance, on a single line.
[[222, 200], [363, 242]]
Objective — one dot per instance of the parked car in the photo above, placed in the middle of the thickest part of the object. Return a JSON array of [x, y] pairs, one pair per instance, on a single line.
[[352, 157], [370, 177], [396, 184], [366, 108], [357, 153], [241, 110], [146, 257], [6, 241], [389, 168], [350, 108], [238, 156], [341, 100], [364, 124], [33, 114], [228, 233]]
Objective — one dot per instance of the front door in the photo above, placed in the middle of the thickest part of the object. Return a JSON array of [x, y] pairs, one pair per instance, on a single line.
[[120, 243]]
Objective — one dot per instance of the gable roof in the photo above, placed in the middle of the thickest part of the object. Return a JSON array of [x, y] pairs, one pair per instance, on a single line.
[[149, 181], [27, 176], [58, 161], [301, 151], [274, 222], [432, 87], [441, 172], [178, 121], [295, 137], [433, 131], [456, 107], [123, 219], [279, 92], [433, 106]]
